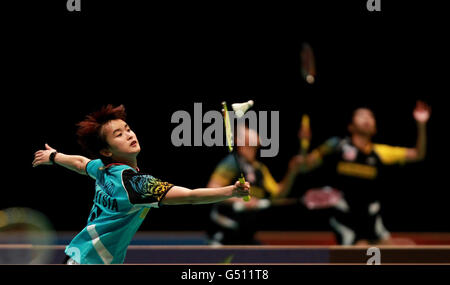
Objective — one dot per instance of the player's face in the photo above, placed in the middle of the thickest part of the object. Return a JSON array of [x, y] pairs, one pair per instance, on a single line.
[[364, 122], [121, 140], [247, 142]]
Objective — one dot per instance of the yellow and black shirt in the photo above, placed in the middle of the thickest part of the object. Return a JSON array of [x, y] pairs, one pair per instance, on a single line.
[[355, 172], [263, 185], [238, 227]]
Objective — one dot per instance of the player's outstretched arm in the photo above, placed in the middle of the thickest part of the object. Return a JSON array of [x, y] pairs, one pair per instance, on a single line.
[[421, 114], [75, 163], [180, 195]]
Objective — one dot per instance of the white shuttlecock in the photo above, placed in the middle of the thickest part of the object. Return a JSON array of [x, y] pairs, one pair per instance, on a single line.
[[240, 108]]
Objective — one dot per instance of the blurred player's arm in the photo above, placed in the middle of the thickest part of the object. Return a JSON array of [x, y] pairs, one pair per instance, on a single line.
[[421, 115], [392, 154], [306, 163], [282, 188], [76, 163]]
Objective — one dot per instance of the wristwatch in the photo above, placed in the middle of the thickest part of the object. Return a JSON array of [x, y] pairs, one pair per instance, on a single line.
[[52, 157]]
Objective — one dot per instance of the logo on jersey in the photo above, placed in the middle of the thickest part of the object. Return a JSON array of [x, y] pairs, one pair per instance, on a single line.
[[349, 152]]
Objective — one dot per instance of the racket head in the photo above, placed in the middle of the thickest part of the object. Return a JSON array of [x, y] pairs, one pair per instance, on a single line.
[[308, 63]]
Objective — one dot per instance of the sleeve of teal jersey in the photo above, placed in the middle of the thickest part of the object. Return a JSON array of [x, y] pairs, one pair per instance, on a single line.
[[143, 188], [93, 167]]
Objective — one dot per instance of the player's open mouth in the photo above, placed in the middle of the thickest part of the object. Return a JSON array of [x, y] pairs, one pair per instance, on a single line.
[[133, 143]]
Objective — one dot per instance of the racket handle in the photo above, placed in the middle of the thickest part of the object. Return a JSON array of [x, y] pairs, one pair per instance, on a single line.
[[304, 142], [242, 181]]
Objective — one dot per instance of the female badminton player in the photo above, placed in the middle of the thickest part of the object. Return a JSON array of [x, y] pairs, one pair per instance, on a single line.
[[123, 194]]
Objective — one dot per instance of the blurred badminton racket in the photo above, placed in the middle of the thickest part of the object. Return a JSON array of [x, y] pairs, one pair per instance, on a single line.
[[25, 236], [308, 63]]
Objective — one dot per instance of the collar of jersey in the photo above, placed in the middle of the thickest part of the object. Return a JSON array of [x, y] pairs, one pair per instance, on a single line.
[[118, 163]]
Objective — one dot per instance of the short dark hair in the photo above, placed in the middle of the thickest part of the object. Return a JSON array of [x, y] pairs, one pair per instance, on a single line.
[[89, 132], [357, 109]]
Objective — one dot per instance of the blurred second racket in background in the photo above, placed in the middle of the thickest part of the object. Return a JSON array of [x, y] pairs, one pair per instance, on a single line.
[[25, 236], [308, 63]]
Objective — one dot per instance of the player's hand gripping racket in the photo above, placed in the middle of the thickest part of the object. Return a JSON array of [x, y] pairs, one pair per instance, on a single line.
[[229, 137]]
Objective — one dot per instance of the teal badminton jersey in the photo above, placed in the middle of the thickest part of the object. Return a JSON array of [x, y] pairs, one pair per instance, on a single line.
[[123, 197]]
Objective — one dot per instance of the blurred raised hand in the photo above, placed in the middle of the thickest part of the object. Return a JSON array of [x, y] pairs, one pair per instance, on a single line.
[[422, 112]]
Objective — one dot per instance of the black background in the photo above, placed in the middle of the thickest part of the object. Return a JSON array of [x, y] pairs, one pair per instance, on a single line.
[[157, 59]]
